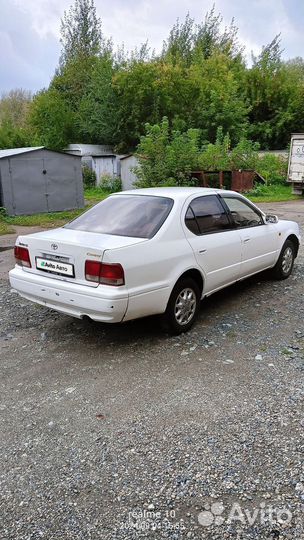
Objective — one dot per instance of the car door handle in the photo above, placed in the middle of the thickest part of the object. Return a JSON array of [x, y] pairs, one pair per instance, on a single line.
[[246, 240], [202, 250]]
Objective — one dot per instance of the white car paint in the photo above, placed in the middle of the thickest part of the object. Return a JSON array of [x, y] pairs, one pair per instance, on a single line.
[[151, 266]]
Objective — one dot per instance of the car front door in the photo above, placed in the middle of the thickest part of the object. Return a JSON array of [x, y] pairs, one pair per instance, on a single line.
[[259, 239], [215, 241]]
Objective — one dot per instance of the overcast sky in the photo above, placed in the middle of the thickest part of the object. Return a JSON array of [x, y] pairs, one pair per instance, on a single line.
[[29, 29]]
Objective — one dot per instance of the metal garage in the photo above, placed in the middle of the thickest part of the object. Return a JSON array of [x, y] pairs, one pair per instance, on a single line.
[[36, 180], [128, 177], [100, 158]]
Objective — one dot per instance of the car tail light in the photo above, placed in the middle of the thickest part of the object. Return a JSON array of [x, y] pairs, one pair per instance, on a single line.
[[92, 270], [112, 274], [22, 256], [107, 274]]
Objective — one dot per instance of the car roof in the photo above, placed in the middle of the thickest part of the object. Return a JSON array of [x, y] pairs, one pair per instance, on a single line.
[[175, 192]]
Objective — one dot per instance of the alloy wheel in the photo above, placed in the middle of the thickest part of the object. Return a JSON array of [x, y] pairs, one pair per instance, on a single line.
[[185, 306]]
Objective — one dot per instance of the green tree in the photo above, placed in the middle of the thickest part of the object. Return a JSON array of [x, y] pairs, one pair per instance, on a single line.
[[210, 38], [202, 96], [73, 93], [80, 32], [199, 81], [98, 113], [14, 137], [178, 48], [189, 42], [73, 80], [83, 50], [217, 98], [14, 108], [137, 101], [51, 120], [275, 92]]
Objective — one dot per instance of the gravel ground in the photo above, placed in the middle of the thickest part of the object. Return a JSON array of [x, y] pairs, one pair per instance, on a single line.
[[121, 432]]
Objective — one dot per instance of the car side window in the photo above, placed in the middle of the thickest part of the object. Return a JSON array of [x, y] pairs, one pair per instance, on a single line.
[[206, 215], [242, 214], [191, 221]]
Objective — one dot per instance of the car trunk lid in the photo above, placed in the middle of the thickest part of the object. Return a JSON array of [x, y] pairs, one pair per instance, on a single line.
[[61, 253]]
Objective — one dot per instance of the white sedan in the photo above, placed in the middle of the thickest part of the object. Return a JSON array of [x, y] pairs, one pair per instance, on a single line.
[[152, 251]]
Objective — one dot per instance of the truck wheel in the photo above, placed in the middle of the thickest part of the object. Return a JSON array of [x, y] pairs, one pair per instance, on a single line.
[[284, 266], [183, 307]]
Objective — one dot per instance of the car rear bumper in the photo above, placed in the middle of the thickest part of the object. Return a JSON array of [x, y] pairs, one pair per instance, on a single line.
[[69, 298]]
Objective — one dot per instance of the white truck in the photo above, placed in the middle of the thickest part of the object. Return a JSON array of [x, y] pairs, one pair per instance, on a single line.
[[296, 163]]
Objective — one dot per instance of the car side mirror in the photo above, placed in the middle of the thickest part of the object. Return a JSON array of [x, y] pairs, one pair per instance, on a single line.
[[271, 218]]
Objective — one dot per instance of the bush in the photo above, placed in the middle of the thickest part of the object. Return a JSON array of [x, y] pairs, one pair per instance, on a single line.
[[220, 156], [259, 190], [109, 183], [89, 177], [167, 158], [273, 168]]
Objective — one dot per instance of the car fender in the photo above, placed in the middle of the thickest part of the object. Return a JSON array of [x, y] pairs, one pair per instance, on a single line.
[[285, 230], [183, 270]]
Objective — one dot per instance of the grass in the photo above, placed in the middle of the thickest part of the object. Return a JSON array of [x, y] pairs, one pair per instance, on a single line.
[[51, 219], [5, 228], [95, 194], [274, 193]]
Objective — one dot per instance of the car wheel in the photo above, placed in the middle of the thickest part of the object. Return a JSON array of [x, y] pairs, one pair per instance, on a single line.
[[284, 266], [183, 307]]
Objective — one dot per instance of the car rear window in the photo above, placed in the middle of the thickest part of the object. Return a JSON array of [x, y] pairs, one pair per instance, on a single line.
[[139, 216]]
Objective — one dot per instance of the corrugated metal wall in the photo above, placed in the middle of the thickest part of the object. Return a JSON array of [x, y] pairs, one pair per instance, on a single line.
[[104, 165], [128, 178], [41, 181]]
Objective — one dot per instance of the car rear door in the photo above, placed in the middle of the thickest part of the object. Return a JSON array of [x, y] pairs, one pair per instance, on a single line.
[[215, 241], [260, 242]]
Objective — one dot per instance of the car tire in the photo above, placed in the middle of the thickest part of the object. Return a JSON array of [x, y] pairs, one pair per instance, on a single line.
[[284, 265], [182, 308]]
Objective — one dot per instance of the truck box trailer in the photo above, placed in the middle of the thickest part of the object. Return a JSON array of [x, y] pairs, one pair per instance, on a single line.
[[296, 163]]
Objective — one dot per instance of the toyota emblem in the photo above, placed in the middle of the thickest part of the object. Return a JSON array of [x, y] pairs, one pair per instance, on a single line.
[[54, 246]]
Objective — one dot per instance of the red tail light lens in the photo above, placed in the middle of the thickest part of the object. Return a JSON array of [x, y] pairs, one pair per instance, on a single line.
[[22, 256], [92, 271], [107, 274], [112, 274]]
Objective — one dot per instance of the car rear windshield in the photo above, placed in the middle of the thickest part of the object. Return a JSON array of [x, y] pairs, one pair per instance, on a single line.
[[139, 216]]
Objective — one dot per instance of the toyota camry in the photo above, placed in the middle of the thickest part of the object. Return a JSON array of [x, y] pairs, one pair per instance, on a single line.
[[152, 251]]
